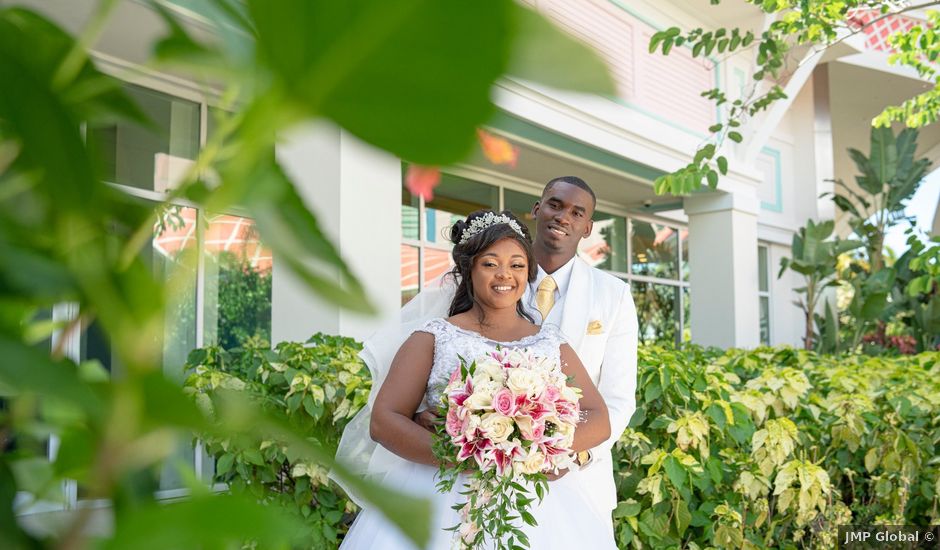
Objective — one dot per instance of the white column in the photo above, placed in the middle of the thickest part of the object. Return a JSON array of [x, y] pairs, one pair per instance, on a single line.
[[723, 269], [354, 190], [823, 147]]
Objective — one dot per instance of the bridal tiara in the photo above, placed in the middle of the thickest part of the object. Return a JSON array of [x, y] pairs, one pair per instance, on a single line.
[[487, 220]]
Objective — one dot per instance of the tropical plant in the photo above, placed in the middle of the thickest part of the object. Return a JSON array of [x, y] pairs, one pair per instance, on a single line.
[[774, 448], [66, 237], [814, 257], [869, 308], [798, 34], [318, 386], [917, 292], [888, 177]]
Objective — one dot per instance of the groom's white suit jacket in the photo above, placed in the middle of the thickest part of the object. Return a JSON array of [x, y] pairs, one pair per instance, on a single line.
[[599, 320]]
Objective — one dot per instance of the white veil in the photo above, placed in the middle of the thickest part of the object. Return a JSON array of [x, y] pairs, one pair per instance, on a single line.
[[362, 456]]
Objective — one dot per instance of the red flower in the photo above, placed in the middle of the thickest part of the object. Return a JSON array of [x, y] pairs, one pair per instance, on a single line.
[[421, 180], [498, 150]]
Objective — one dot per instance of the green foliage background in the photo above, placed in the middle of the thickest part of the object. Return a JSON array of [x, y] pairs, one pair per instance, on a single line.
[[318, 387], [771, 448], [244, 301]]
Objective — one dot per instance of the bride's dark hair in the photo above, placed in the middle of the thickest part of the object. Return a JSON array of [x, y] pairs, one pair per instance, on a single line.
[[465, 254]]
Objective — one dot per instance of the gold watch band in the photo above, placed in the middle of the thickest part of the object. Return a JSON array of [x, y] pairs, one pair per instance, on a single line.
[[584, 458]]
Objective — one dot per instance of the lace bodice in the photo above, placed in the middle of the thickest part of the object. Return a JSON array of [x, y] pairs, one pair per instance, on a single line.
[[451, 341]]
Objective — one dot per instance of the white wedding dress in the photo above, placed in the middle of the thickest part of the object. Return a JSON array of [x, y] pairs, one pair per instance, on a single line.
[[565, 519]]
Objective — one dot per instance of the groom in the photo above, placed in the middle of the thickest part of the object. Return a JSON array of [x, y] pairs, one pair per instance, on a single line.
[[596, 314]]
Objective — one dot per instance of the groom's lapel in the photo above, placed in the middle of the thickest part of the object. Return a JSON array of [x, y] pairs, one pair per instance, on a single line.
[[578, 300]]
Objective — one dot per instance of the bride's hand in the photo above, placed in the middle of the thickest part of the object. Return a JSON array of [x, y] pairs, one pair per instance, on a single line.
[[553, 476], [428, 420]]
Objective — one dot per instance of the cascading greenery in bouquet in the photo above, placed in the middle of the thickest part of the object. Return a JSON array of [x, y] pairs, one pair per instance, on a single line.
[[510, 416]]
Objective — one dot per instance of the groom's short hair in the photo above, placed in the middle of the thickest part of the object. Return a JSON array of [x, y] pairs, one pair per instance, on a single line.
[[571, 180]]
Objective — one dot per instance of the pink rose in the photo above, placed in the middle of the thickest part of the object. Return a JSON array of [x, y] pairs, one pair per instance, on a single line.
[[551, 394], [504, 402]]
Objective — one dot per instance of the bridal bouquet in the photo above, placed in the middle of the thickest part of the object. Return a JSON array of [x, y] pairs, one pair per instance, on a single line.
[[510, 417]]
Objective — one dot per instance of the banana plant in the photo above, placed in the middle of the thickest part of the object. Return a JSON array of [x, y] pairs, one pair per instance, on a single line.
[[814, 257], [917, 292], [869, 303], [889, 176]]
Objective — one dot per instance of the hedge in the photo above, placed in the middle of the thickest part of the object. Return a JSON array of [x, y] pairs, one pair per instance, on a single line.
[[768, 448]]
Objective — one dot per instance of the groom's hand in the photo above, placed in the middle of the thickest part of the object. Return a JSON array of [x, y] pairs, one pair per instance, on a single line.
[[428, 420], [553, 476]]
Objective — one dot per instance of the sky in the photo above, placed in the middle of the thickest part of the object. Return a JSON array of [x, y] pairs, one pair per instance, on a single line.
[[922, 207]]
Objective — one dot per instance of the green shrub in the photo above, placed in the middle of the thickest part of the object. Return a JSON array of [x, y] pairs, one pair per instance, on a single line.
[[770, 448], [776, 447], [318, 386]]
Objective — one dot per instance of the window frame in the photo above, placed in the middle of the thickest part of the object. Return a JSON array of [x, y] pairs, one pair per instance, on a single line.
[[765, 293], [135, 75], [503, 182]]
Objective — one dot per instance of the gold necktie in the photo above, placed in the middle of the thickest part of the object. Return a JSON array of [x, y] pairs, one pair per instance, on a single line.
[[545, 296]]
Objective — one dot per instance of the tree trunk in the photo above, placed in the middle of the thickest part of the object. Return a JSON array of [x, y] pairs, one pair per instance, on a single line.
[[876, 251], [808, 339], [810, 311]]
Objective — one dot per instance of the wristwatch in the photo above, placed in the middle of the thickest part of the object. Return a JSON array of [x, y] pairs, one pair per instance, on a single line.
[[583, 458]]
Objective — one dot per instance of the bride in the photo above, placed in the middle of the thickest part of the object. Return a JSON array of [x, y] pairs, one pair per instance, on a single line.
[[493, 265]]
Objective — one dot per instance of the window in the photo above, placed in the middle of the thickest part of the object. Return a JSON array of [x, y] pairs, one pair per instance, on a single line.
[[652, 257], [606, 247], [659, 274], [151, 158], [763, 292], [657, 308], [425, 248], [221, 271]]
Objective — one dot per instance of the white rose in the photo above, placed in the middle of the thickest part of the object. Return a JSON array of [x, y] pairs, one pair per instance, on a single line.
[[481, 380], [493, 370], [497, 427], [518, 357], [566, 432], [546, 364], [523, 381], [533, 463]]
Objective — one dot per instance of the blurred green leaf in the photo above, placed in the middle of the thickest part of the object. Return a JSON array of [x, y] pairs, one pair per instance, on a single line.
[[28, 369], [386, 70], [294, 234], [12, 536], [203, 520]]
